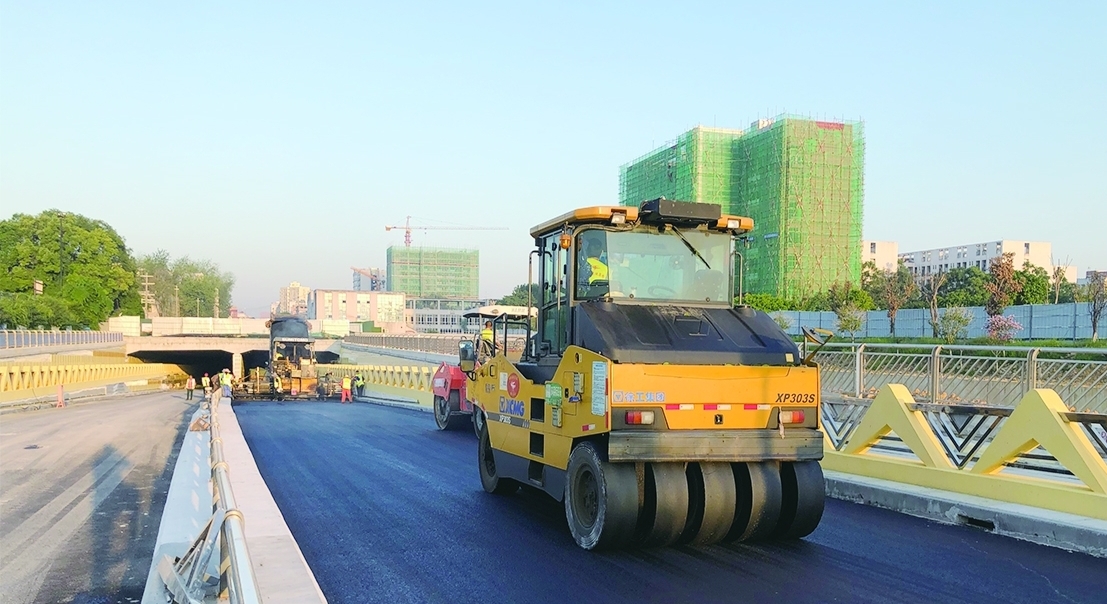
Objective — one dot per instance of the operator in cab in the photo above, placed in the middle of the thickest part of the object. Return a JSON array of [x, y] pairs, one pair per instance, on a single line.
[[487, 340], [592, 271]]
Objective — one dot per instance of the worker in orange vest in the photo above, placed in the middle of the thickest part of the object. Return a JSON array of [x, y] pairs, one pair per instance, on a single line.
[[346, 383]]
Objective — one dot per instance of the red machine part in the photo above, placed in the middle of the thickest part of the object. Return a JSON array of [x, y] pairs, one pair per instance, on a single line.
[[448, 378]]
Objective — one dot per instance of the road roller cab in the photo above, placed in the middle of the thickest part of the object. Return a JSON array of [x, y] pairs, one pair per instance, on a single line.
[[452, 409], [653, 407]]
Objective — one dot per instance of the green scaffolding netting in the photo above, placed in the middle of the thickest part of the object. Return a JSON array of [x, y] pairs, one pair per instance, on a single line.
[[801, 181], [429, 272]]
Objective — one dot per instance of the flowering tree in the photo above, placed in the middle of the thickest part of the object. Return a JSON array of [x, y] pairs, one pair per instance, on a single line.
[[1002, 327]]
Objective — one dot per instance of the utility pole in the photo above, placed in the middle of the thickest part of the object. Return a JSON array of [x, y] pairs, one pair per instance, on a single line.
[[149, 304], [197, 307], [215, 307], [176, 300]]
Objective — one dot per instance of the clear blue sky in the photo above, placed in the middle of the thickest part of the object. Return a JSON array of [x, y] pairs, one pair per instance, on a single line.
[[304, 128]]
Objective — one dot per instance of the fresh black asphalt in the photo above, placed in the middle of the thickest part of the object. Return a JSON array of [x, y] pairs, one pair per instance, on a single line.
[[387, 509]]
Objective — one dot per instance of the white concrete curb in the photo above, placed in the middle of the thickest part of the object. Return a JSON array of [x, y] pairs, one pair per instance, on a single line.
[[1056, 529]]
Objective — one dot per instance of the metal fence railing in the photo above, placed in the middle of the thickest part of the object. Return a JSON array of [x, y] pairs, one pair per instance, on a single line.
[[185, 577], [33, 338], [967, 375], [436, 343]]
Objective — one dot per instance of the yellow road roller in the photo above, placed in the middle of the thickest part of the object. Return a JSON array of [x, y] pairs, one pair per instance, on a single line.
[[656, 409]]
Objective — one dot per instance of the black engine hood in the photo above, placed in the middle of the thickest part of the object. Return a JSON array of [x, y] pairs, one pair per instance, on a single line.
[[682, 335]]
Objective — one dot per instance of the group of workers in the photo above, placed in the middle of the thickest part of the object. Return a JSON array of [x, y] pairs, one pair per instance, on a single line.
[[223, 379], [350, 384]]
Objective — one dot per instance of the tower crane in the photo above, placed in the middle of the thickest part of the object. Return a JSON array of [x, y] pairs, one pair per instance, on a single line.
[[407, 227]]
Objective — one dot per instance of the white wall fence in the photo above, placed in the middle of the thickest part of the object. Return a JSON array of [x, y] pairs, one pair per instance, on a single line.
[[1039, 322], [34, 338]]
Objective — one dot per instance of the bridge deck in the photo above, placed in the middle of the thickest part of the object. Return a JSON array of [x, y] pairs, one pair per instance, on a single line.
[[386, 509]]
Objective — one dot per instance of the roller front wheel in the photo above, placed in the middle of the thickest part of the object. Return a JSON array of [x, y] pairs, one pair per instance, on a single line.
[[601, 500]]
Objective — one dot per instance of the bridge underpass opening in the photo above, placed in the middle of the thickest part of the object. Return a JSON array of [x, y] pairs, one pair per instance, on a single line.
[[193, 362]]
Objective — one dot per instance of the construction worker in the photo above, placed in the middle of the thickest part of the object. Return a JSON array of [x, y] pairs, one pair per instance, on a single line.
[[346, 383], [190, 385], [597, 268], [487, 340], [359, 383], [277, 386], [225, 380], [206, 383]]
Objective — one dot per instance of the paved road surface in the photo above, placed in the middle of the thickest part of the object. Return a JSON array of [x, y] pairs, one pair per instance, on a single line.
[[386, 509], [81, 494]]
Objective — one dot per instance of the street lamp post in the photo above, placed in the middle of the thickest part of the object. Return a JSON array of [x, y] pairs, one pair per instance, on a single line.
[[61, 247]]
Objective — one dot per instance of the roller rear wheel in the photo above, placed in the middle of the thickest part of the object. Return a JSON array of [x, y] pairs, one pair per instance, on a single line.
[[665, 506], [601, 500], [711, 505], [804, 493], [758, 500]]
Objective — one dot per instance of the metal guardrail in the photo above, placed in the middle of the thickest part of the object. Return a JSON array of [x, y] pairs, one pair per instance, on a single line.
[[185, 578], [35, 338], [27, 377], [967, 375], [1033, 452], [436, 343]]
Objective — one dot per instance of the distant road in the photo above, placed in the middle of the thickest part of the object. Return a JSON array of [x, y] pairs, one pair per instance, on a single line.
[[81, 494], [387, 509]]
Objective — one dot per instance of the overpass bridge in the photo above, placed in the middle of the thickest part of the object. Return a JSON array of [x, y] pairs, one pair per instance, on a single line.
[[200, 354], [370, 503]]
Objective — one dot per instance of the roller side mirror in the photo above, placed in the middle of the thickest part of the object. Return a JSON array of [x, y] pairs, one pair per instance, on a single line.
[[467, 356]]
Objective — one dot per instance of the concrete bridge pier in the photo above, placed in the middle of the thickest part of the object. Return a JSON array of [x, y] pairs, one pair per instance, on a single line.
[[236, 364]]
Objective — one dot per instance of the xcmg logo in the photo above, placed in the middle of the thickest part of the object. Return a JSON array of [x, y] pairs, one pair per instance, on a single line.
[[512, 407]]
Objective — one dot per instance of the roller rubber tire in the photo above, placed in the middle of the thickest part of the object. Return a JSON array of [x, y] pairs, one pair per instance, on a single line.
[[486, 463], [665, 507], [601, 500], [804, 495], [478, 420], [711, 496], [758, 500]]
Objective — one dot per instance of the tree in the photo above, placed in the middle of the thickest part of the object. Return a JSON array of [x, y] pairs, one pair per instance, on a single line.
[[30, 311], [869, 274], [518, 296], [782, 321], [767, 302], [850, 319], [964, 287], [186, 287], [1094, 292], [1002, 286], [1033, 285], [845, 293], [82, 262], [1002, 328], [1057, 278], [954, 324], [892, 289], [931, 292]]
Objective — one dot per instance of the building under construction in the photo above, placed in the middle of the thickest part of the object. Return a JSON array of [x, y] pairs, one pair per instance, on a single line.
[[800, 180], [427, 272]]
